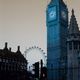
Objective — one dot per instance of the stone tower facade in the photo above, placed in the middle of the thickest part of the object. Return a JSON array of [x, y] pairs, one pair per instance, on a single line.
[[57, 25], [73, 49]]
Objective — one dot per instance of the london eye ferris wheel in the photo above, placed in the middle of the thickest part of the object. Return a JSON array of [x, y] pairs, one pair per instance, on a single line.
[[35, 54]]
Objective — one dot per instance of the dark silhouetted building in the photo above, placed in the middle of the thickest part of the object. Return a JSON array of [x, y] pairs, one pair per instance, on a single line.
[[13, 65]]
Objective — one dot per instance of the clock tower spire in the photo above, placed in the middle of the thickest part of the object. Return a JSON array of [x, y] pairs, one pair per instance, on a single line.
[[57, 24]]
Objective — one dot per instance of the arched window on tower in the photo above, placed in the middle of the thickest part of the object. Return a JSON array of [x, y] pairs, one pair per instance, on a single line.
[[75, 45]]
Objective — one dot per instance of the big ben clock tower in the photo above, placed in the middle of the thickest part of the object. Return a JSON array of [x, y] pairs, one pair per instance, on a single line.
[[57, 24]]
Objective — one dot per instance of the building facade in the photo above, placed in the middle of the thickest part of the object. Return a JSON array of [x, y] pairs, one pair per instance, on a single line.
[[73, 49], [57, 25], [63, 43], [13, 65]]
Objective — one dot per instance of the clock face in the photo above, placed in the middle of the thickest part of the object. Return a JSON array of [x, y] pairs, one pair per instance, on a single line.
[[52, 13], [64, 15]]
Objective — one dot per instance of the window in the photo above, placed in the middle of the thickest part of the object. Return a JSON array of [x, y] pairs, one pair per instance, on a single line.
[[70, 45], [75, 45], [3, 60]]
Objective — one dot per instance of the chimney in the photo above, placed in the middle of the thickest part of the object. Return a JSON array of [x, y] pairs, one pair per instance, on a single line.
[[18, 48], [6, 45], [10, 49]]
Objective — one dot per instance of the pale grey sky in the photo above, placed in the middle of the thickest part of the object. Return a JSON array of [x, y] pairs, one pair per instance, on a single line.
[[23, 22]]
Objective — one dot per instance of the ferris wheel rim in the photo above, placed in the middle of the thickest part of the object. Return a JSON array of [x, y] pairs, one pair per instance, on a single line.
[[38, 48]]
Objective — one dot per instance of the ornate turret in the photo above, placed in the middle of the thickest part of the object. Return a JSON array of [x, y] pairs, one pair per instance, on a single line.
[[73, 48], [73, 27]]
